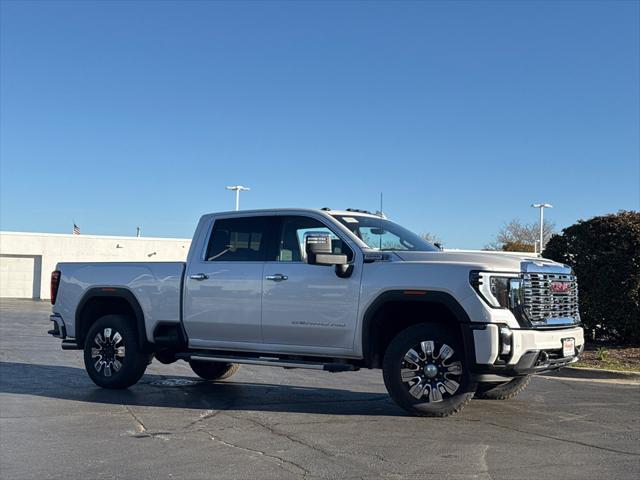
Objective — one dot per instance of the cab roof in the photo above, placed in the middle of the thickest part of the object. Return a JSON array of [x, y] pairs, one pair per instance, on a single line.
[[347, 212]]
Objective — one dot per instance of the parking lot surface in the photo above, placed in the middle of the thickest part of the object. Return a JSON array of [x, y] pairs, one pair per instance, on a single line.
[[271, 423]]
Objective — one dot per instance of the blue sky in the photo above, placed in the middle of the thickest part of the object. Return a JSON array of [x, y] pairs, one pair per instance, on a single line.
[[118, 114]]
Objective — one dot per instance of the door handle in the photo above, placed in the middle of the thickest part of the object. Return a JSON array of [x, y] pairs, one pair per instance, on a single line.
[[199, 276], [278, 277]]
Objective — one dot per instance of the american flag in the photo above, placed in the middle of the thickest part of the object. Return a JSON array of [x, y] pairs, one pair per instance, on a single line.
[[76, 229]]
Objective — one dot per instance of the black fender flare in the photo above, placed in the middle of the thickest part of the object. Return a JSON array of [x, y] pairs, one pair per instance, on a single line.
[[425, 296], [113, 292]]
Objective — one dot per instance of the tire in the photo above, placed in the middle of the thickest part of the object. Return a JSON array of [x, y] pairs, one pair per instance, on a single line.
[[213, 370], [165, 357], [441, 385], [111, 354], [503, 391]]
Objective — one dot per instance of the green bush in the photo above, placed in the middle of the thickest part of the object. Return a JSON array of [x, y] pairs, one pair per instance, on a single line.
[[605, 255]]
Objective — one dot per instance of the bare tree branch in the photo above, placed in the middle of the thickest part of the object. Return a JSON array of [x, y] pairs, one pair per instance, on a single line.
[[431, 238], [518, 236]]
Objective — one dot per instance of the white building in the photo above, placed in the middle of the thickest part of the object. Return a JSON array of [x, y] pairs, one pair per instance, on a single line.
[[27, 259]]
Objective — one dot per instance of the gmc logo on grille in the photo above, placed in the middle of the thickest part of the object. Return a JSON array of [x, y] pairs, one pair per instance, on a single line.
[[560, 287]]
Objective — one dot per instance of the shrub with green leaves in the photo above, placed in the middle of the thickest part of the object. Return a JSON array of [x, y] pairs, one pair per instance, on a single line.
[[602, 354], [605, 255]]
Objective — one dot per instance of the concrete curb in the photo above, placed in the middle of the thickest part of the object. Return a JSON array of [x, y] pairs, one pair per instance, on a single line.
[[584, 372]]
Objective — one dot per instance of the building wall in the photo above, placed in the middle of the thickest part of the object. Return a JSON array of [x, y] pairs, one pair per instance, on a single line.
[[27, 259]]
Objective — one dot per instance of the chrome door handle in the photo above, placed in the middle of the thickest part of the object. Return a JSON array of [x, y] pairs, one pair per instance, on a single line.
[[278, 277], [199, 276]]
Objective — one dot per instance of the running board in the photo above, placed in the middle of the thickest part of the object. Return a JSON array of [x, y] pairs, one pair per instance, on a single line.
[[70, 345], [269, 361]]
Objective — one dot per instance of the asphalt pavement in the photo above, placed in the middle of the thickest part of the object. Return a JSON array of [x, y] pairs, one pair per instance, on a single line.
[[271, 423]]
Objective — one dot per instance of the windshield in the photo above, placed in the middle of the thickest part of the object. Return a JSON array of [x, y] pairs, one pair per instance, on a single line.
[[381, 234]]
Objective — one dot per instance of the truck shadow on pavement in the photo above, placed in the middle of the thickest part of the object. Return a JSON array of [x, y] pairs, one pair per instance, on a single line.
[[175, 391]]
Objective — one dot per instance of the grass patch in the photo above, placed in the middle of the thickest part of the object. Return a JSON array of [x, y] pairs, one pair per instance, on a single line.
[[611, 358]]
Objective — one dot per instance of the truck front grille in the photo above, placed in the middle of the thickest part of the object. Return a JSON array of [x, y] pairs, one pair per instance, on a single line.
[[550, 299]]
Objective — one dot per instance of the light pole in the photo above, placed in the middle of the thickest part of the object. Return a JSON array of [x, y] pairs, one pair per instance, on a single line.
[[541, 206], [238, 189]]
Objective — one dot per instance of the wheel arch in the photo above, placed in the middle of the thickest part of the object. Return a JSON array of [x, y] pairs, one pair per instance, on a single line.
[[416, 300], [100, 301]]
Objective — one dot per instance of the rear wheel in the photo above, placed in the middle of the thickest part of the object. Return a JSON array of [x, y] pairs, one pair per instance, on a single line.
[[503, 391], [111, 354], [425, 373], [213, 370]]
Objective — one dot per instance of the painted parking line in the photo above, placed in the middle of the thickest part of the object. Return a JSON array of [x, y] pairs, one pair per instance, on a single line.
[[613, 381]]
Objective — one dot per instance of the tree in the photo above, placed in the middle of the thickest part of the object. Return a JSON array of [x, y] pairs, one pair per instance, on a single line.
[[431, 238], [516, 236], [605, 255]]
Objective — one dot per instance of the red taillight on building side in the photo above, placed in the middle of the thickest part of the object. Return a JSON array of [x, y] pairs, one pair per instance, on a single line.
[[55, 282]]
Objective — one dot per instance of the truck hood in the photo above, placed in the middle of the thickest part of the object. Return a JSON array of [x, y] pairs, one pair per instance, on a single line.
[[491, 261]]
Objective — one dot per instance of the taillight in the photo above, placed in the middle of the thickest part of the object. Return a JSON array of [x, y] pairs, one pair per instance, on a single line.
[[55, 282]]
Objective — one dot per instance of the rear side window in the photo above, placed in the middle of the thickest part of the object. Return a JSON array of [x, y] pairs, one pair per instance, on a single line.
[[238, 240]]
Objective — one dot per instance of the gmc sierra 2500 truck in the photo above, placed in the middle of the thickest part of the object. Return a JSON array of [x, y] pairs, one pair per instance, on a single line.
[[327, 290]]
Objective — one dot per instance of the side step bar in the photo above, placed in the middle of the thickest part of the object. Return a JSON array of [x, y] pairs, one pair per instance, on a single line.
[[70, 345], [269, 361]]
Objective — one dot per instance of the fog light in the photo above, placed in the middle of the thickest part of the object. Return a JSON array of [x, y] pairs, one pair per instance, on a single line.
[[506, 337]]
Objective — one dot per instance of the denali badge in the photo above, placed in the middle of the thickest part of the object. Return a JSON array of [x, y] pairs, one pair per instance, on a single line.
[[560, 287]]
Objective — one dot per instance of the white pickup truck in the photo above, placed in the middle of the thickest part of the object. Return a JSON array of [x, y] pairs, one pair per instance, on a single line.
[[328, 290]]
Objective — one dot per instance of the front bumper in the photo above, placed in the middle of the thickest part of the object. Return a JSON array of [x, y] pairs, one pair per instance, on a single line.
[[538, 361], [532, 350]]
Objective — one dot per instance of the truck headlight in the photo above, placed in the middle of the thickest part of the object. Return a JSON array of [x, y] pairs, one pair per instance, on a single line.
[[499, 290]]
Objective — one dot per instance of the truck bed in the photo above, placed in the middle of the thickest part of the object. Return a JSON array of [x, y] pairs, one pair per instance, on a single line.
[[156, 286]]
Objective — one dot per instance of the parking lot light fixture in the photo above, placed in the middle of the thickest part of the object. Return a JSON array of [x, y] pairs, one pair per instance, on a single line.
[[541, 206], [238, 189]]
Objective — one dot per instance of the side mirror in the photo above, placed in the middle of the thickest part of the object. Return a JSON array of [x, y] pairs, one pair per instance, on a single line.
[[317, 245]]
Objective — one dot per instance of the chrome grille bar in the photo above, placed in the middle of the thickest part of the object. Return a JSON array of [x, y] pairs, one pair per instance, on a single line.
[[545, 305]]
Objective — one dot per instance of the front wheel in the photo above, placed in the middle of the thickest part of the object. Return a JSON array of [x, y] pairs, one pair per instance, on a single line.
[[503, 391], [111, 354], [425, 373]]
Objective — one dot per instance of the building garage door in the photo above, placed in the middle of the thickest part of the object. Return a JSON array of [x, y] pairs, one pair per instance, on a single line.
[[20, 276]]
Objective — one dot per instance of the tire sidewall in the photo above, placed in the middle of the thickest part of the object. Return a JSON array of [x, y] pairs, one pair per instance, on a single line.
[[134, 363], [503, 391], [398, 390]]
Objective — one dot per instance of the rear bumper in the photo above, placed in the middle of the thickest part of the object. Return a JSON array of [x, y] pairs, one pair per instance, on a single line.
[[532, 351], [59, 330]]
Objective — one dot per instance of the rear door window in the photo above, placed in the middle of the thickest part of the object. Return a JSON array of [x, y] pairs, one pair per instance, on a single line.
[[243, 239]]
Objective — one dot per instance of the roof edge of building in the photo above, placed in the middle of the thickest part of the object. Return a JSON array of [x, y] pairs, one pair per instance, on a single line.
[[108, 237]]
